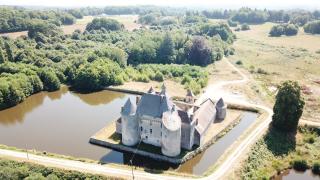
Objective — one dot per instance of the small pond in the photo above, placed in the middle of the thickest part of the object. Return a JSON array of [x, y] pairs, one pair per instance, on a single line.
[[292, 174]]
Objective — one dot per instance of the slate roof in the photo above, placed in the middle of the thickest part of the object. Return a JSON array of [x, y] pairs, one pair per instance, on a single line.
[[205, 115], [190, 93], [151, 90], [220, 103], [129, 108], [184, 117], [154, 105]]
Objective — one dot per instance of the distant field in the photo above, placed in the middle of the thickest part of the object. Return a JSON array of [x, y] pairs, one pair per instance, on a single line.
[[272, 60], [127, 20], [14, 35]]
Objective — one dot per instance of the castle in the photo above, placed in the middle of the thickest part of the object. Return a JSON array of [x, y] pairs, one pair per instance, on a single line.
[[155, 119]]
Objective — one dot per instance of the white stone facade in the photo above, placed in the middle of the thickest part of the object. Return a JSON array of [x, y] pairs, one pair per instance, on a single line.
[[155, 120]]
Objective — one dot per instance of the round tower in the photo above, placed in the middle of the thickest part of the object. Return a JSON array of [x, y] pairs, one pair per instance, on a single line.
[[129, 124], [171, 134], [221, 109]]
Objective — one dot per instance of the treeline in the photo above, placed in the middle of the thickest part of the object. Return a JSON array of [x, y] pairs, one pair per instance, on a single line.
[[254, 16], [312, 27], [13, 19], [18, 81], [284, 29], [22, 170]]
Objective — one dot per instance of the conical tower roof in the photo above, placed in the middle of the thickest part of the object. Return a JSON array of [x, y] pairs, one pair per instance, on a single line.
[[220, 103], [151, 90], [129, 108], [190, 93], [163, 89]]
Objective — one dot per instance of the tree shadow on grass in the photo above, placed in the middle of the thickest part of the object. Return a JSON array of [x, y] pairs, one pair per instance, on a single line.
[[280, 142]]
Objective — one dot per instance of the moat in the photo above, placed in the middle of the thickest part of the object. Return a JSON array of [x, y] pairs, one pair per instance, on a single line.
[[62, 122]]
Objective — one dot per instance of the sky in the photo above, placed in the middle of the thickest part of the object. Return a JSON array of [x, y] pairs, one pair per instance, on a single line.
[[214, 4]]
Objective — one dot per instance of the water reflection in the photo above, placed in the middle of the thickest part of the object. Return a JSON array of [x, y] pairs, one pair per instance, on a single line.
[[17, 113], [98, 98], [61, 122]]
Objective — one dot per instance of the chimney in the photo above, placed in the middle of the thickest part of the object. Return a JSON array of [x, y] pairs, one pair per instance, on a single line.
[[137, 99]]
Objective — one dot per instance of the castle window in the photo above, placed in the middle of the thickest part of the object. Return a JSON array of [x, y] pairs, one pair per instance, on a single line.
[[141, 128], [146, 137], [150, 131]]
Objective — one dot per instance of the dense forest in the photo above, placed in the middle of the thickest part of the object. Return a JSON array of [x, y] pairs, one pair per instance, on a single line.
[[107, 54]]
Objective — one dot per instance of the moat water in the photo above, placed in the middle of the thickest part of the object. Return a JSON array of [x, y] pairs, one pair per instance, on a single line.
[[62, 122]]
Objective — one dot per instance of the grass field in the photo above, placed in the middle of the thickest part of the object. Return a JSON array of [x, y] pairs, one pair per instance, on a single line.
[[129, 22], [272, 60]]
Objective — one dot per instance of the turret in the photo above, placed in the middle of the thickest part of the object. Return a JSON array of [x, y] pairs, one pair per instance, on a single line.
[[129, 124], [163, 89], [189, 97], [151, 90], [221, 109], [171, 133]]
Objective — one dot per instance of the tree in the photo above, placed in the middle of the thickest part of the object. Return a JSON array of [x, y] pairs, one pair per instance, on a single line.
[[312, 27], [9, 51], [108, 24], [166, 50], [2, 59], [276, 31], [245, 27], [288, 107], [291, 30], [50, 80], [200, 53]]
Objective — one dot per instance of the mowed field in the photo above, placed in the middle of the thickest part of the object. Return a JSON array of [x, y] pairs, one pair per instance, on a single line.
[[272, 60], [129, 22]]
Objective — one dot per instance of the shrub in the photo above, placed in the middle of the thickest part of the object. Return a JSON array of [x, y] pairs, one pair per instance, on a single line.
[[261, 71], [245, 27], [232, 23], [159, 76], [284, 29], [300, 164], [312, 27], [143, 78], [316, 167], [239, 62]]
